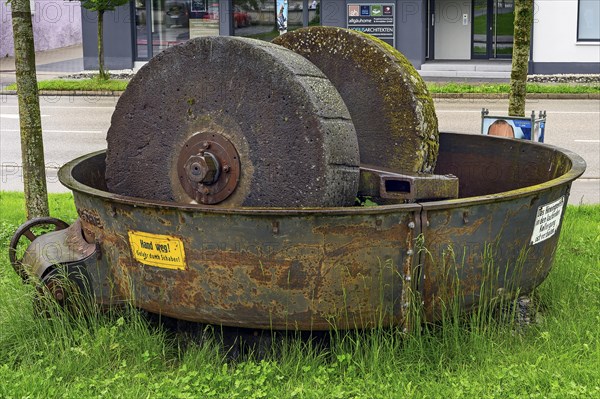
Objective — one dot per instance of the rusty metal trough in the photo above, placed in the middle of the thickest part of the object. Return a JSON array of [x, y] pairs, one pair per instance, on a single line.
[[318, 268]]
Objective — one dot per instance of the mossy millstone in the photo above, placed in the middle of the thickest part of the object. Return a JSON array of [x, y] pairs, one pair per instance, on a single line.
[[392, 110], [292, 131]]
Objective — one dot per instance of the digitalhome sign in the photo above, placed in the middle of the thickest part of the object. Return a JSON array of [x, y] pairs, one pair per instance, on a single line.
[[376, 19]]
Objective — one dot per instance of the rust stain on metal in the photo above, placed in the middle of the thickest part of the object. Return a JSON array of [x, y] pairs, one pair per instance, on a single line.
[[342, 267], [90, 216]]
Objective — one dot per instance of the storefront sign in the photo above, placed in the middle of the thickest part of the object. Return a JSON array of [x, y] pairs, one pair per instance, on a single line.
[[375, 19]]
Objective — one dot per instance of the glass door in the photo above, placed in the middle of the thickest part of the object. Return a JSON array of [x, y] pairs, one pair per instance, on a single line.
[[493, 26], [143, 46], [503, 26], [160, 24]]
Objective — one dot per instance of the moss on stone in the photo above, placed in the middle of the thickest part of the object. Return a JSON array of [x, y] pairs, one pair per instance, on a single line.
[[407, 105]]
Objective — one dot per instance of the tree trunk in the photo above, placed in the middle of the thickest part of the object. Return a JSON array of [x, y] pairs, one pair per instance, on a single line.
[[520, 58], [101, 73], [32, 146]]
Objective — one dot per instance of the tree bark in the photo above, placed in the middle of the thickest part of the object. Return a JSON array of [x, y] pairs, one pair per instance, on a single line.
[[520, 58], [32, 145], [102, 74]]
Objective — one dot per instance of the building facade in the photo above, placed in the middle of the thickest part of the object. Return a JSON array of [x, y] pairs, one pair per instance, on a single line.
[[55, 24], [565, 36]]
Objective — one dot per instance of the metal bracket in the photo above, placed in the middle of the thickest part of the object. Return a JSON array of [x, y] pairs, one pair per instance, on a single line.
[[406, 187], [61, 247]]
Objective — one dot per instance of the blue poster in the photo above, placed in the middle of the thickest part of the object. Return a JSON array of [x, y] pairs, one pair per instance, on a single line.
[[514, 128], [282, 16]]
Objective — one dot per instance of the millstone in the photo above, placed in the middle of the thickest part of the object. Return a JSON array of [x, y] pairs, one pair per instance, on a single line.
[[392, 111], [233, 121]]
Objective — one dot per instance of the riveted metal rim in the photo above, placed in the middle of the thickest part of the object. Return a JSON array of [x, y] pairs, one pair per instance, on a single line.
[[576, 169]]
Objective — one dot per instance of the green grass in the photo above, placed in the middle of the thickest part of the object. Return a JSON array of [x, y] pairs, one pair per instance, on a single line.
[[504, 88], [117, 355], [79, 84], [434, 88]]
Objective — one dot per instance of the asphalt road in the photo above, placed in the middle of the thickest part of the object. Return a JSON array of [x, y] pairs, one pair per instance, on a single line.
[[75, 125], [571, 124]]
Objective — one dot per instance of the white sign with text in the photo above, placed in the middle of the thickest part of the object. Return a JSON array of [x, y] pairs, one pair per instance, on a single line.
[[547, 220]]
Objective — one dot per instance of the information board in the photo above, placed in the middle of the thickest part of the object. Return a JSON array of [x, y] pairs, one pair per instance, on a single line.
[[377, 19], [547, 220]]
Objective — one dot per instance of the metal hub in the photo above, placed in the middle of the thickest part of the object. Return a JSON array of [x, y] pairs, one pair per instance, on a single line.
[[208, 168]]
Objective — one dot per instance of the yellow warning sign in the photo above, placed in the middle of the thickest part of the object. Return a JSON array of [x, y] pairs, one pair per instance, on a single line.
[[157, 250]]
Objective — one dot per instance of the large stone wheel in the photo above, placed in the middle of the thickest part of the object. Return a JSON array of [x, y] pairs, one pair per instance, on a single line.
[[234, 122], [392, 111]]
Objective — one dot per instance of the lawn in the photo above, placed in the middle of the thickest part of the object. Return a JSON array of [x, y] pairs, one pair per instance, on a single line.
[[118, 354], [504, 88], [434, 88], [78, 85]]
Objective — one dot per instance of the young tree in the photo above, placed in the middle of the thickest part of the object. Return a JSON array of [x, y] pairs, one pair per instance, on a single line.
[[100, 6], [520, 59], [32, 146]]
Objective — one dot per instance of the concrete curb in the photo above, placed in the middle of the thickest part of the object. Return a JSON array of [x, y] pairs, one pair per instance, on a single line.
[[435, 96], [504, 96], [86, 93]]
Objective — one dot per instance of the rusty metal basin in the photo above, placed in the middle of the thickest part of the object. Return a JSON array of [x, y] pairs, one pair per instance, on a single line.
[[314, 269]]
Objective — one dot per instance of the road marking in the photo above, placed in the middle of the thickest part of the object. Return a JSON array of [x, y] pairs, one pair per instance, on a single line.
[[573, 112], [452, 111], [15, 116], [64, 107], [587, 141], [54, 131]]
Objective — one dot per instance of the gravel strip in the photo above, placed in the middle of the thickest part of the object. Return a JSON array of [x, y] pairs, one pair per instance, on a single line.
[[124, 74], [590, 78]]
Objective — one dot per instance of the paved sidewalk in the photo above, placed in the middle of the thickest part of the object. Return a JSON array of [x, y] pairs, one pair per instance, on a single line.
[[49, 64]]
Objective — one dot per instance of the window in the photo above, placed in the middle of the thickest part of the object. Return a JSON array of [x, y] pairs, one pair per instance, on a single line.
[[160, 24], [588, 20]]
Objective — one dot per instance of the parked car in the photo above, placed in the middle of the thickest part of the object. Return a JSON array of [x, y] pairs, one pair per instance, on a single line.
[[212, 12], [240, 18]]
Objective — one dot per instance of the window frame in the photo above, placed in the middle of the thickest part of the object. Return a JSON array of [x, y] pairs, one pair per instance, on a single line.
[[580, 39]]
